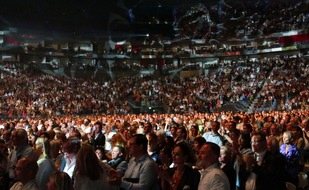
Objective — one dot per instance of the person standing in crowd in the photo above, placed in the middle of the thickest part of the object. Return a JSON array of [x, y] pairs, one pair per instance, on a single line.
[[226, 164], [21, 149], [25, 174], [172, 132], [118, 162], [212, 177], [4, 167], [165, 157], [292, 157], [161, 139], [266, 168], [148, 128], [141, 173], [59, 181], [68, 161], [98, 138], [245, 120], [197, 144], [55, 152], [100, 155], [153, 146], [299, 142], [213, 135], [181, 135], [244, 148], [193, 132], [182, 176], [276, 132], [273, 145], [305, 127], [89, 174], [6, 136], [45, 163]]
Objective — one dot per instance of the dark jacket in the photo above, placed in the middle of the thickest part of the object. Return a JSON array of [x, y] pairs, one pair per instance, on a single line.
[[270, 175], [99, 141], [190, 178]]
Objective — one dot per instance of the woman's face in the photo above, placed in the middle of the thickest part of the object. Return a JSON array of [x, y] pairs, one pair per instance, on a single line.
[[178, 156], [241, 141], [173, 131], [286, 138], [223, 156], [196, 146], [38, 148], [99, 154], [193, 131]]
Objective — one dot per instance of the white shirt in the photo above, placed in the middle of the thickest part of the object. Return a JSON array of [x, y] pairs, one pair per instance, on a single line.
[[70, 166], [215, 138], [213, 178], [260, 157]]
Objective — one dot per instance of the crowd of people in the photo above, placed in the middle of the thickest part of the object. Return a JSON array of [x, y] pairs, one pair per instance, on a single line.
[[221, 150], [61, 133], [277, 83], [242, 18]]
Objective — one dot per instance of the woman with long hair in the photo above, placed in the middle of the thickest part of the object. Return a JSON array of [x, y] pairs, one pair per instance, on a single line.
[[89, 174], [59, 181], [193, 132], [244, 148], [182, 176]]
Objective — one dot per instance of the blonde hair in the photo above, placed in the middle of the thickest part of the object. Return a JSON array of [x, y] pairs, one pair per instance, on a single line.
[[45, 144]]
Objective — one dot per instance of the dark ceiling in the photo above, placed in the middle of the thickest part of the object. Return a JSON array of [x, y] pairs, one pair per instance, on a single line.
[[93, 17], [81, 16]]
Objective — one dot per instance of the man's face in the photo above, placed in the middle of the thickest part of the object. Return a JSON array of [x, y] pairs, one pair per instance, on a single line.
[[16, 139], [152, 144], [257, 144], [245, 120], [214, 127], [133, 147], [230, 126], [204, 157], [245, 129], [173, 131], [179, 133], [20, 170], [115, 153], [67, 150], [147, 128], [97, 128]]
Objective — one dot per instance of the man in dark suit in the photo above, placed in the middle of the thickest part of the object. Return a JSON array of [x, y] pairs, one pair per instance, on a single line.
[[98, 138], [267, 167]]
